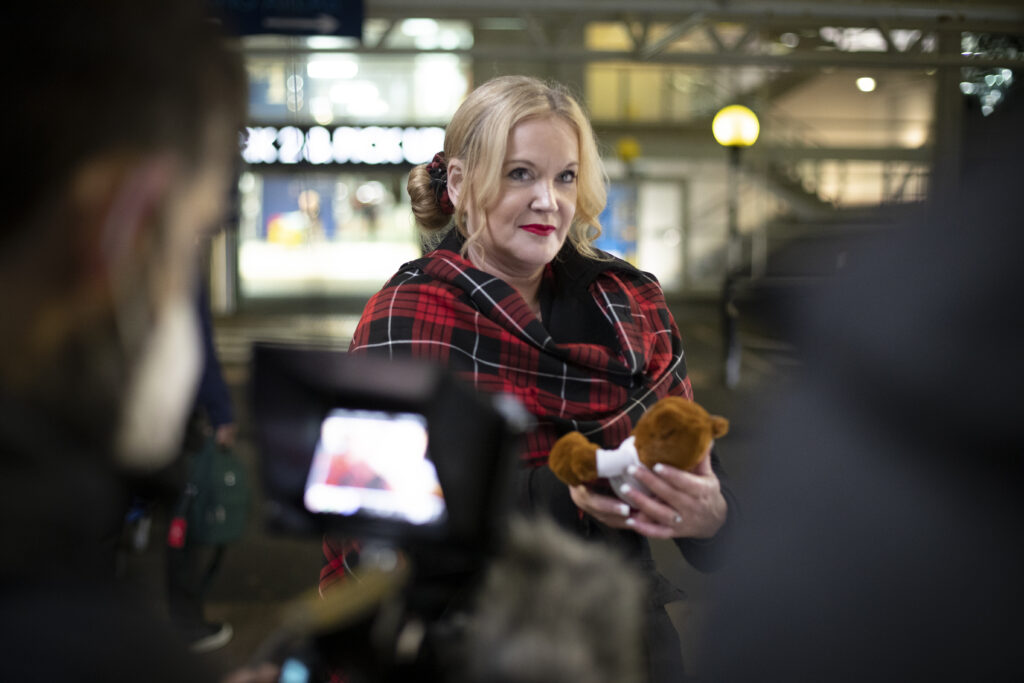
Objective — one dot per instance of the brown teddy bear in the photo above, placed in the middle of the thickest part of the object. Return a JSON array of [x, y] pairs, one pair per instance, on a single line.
[[674, 431]]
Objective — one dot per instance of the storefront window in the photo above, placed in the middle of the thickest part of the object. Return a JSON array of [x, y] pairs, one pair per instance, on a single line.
[[331, 136], [322, 233], [305, 81]]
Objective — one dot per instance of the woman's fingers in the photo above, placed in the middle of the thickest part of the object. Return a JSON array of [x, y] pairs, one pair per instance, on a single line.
[[689, 503], [606, 509], [654, 506]]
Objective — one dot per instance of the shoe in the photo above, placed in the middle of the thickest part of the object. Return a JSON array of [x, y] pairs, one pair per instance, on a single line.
[[207, 637]]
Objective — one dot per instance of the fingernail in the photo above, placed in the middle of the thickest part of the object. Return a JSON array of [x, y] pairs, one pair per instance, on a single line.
[[631, 470], [624, 489], [630, 521], [659, 468], [624, 510], [677, 519]]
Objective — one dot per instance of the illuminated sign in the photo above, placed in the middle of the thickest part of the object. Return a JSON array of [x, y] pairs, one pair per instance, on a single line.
[[342, 145]]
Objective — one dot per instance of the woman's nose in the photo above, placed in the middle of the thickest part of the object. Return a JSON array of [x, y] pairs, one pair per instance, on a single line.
[[544, 197]]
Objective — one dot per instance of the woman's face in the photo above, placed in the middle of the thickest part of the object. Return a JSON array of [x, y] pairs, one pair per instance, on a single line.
[[530, 220]]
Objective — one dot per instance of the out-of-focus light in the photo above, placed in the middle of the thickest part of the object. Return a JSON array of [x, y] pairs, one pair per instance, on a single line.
[[354, 91], [913, 136], [371, 192], [360, 98], [627, 148], [340, 93], [790, 40], [967, 88], [994, 97], [866, 84], [294, 671], [332, 68], [429, 41], [735, 126], [246, 182], [419, 27], [368, 108], [448, 40], [330, 42], [322, 110]]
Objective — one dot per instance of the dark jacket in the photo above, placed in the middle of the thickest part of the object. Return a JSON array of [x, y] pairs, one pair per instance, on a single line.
[[63, 616], [604, 350]]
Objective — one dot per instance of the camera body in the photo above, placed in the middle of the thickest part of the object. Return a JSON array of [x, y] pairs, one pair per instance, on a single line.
[[402, 455], [443, 454]]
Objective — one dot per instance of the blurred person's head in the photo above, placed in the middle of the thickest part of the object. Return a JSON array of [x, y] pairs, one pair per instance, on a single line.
[[309, 203], [554, 607], [535, 122], [123, 130]]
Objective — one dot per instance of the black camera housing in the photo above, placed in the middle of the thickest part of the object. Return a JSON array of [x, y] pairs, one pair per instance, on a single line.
[[474, 440]]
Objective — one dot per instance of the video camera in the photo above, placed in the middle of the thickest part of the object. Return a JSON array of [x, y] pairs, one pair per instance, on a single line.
[[400, 454]]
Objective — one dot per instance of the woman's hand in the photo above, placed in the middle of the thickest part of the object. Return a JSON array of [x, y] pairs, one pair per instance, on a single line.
[[683, 504], [605, 509]]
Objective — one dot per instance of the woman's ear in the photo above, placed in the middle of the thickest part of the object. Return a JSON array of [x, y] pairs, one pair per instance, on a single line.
[[456, 176]]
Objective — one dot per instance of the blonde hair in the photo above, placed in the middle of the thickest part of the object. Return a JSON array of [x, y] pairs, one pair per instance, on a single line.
[[478, 136]]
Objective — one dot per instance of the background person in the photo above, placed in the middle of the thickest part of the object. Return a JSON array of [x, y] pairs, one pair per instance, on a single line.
[[885, 517], [123, 137], [191, 568], [517, 300]]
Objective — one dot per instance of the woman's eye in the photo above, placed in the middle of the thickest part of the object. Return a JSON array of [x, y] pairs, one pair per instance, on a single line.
[[518, 174], [567, 176]]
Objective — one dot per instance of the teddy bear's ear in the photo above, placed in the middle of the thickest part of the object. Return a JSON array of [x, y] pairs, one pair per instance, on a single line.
[[719, 426]]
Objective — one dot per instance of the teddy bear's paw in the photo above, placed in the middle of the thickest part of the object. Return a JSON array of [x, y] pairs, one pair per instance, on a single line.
[[572, 459]]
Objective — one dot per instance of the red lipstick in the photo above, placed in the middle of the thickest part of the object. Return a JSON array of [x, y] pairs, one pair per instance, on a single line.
[[538, 229]]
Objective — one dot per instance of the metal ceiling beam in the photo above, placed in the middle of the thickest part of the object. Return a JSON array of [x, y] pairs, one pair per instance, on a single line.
[[963, 16], [673, 34], [538, 43], [797, 59]]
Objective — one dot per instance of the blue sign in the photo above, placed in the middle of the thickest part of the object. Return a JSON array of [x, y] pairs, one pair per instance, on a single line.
[[619, 222], [292, 17]]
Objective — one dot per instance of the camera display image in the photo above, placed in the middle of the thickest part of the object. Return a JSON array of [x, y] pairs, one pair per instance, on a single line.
[[396, 451], [374, 463]]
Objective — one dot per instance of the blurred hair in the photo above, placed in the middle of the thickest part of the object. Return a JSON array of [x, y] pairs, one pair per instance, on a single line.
[[478, 135], [555, 608], [97, 82], [92, 77]]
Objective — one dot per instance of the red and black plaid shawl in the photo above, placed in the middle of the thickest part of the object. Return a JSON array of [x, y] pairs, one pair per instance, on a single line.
[[442, 308]]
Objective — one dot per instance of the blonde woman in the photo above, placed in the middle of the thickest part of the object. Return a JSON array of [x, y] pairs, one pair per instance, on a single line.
[[516, 299]]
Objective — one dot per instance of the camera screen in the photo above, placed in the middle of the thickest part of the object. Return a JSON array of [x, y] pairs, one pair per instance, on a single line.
[[374, 463]]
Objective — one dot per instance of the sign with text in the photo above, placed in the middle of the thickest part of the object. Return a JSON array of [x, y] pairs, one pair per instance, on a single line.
[[292, 17], [342, 145]]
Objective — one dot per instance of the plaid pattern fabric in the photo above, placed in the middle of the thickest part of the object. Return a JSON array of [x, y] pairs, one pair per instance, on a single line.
[[442, 308]]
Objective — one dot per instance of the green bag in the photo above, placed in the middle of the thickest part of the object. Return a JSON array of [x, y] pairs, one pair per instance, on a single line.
[[218, 496]]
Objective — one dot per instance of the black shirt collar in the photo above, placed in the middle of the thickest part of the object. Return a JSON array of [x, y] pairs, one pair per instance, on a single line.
[[568, 310]]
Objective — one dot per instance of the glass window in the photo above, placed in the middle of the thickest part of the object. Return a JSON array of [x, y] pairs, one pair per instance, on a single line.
[[306, 86], [310, 234]]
